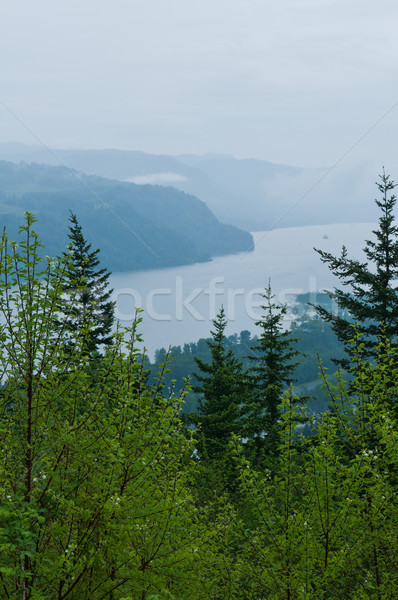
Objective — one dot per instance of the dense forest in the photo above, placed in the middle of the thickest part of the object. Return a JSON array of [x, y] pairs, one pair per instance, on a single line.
[[137, 227], [111, 490]]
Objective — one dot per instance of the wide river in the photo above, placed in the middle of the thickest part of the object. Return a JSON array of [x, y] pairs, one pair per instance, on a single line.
[[179, 303]]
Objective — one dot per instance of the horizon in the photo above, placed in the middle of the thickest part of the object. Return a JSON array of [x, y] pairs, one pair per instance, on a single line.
[[51, 149]]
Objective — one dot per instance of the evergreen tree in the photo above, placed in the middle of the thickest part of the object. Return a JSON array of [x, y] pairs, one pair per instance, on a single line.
[[222, 389], [274, 365], [88, 307], [371, 300]]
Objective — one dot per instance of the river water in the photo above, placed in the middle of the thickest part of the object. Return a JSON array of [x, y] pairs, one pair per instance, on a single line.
[[179, 303]]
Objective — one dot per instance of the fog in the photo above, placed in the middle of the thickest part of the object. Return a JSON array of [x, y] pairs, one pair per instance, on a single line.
[[300, 82]]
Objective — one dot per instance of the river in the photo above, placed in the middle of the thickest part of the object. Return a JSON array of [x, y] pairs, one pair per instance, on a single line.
[[179, 303]]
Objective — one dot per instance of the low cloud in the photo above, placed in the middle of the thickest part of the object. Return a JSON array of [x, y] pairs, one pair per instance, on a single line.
[[157, 179]]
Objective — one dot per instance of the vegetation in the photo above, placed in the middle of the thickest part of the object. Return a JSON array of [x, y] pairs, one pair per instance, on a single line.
[[136, 226], [93, 473], [323, 525], [221, 387], [86, 294], [371, 300], [107, 494], [274, 363], [312, 337]]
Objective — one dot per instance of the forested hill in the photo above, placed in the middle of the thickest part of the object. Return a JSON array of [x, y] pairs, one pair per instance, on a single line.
[[136, 226], [249, 193]]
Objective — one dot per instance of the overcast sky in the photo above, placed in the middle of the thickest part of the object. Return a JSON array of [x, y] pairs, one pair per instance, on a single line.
[[290, 81]]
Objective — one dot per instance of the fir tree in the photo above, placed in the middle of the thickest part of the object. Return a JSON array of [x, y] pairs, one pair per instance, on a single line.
[[273, 358], [88, 307], [222, 389], [371, 300]]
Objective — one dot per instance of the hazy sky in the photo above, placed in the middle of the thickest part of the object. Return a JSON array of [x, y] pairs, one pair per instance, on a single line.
[[292, 81]]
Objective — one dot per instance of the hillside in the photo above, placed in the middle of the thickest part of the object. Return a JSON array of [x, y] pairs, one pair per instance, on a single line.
[[136, 226], [248, 193]]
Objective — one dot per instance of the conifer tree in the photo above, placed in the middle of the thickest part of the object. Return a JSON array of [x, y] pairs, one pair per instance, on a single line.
[[371, 300], [273, 357], [221, 388], [88, 306]]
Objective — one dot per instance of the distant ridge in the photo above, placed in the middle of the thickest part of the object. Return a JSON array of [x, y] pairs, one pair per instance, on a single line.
[[249, 193], [135, 226]]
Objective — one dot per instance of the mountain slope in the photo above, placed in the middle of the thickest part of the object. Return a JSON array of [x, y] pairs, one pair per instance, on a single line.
[[136, 227], [248, 193]]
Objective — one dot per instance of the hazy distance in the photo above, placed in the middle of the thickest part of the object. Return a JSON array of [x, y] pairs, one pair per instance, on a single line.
[[300, 82]]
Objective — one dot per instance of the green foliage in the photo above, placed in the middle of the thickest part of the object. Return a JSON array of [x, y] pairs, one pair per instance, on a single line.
[[103, 496], [94, 472], [315, 340], [87, 297], [273, 358], [312, 337], [324, 523], [371, 302], [315, 337], [221, 387], [183, 362]]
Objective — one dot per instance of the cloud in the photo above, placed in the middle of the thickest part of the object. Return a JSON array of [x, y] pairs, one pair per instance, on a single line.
[[157, 179]]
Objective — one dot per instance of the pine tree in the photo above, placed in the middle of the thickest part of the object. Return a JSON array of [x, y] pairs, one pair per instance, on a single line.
[[371, 300], [88, 306], [273, 358], [222, 390]]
